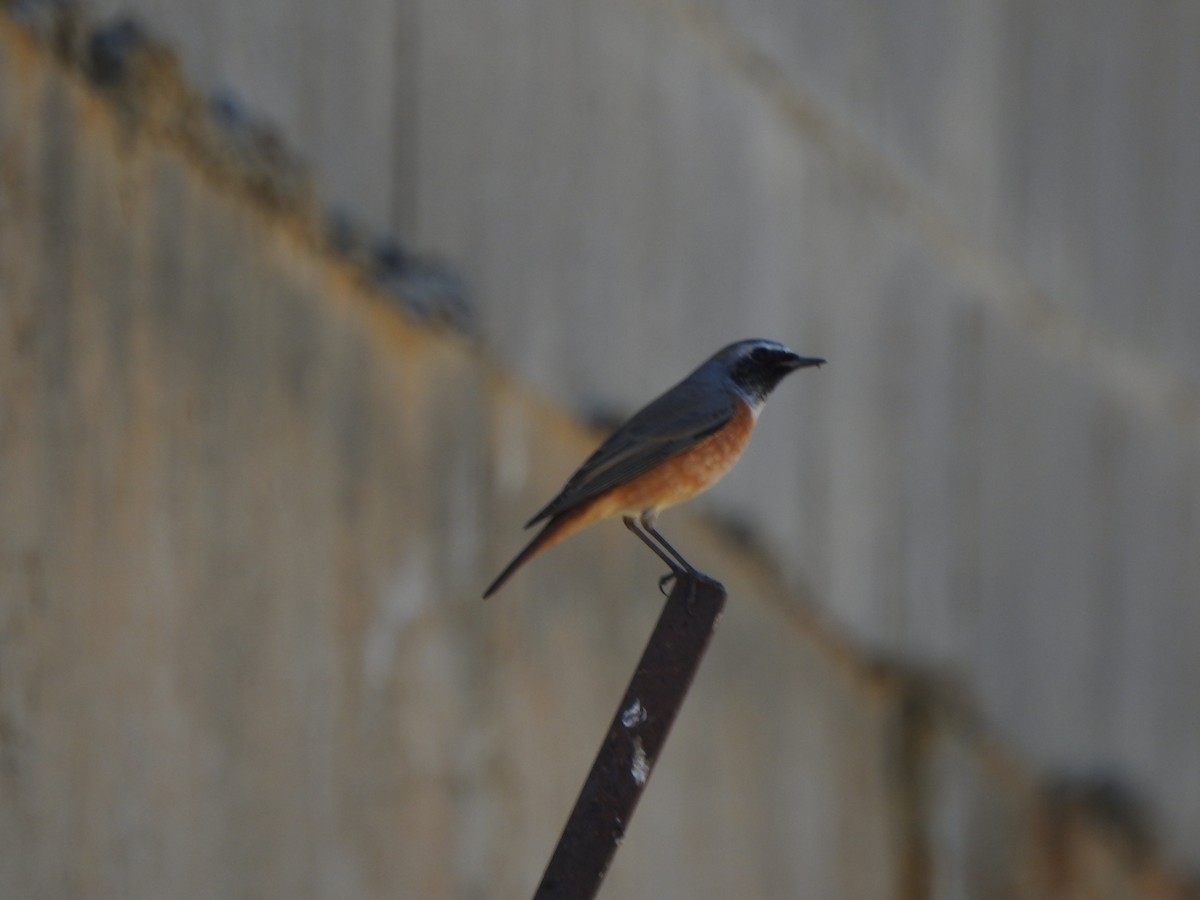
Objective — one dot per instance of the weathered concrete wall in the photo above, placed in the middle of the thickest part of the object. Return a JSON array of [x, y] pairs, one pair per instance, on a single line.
[[245, 514], [245, 517], [983, 213]]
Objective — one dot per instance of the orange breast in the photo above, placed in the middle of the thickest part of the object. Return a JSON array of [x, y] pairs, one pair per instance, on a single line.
[[682, 477], [677, 480]]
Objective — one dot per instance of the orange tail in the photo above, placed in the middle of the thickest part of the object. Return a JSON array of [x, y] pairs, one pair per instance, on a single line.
[[557, 529]]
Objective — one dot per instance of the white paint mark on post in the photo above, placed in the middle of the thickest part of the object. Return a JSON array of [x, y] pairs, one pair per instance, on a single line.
[[635, 714], [639, 768]]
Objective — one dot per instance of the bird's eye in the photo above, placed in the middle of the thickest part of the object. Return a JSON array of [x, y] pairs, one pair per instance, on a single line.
[[760, 355]]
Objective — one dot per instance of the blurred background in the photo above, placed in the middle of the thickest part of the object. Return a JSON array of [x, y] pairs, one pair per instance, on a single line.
[[249, 497]]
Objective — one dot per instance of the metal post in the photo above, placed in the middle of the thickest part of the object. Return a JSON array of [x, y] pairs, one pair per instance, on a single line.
[[635, 738]]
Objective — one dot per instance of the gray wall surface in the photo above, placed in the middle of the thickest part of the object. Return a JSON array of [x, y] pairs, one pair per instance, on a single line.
[[245, 513], [985, 214], [982, 213]]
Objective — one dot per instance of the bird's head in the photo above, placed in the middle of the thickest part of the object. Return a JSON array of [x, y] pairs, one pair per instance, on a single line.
[[756, 366]]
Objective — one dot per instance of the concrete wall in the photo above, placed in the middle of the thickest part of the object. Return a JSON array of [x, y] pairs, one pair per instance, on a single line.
[[246, 512], [246, 509], [983, 213]]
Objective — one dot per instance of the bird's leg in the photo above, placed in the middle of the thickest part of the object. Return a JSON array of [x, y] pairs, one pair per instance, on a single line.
[[648, 524], [632, 525], [662, 548], [682, 565], [676, 569]]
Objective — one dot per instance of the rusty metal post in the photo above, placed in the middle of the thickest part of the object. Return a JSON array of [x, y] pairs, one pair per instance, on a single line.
[[635, 738]]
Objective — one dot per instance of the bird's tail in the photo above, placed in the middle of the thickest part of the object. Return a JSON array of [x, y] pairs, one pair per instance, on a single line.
[[557, 529]]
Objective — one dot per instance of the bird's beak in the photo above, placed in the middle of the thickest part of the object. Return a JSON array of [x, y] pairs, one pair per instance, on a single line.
[[803, 362]]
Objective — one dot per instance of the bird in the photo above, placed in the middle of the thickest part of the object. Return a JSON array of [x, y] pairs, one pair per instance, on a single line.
[[675, 447]]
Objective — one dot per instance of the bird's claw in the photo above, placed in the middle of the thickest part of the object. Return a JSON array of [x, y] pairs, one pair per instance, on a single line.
[[665, 580]]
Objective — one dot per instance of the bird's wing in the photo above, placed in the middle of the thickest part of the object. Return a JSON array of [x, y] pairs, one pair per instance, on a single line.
[[675, 422]]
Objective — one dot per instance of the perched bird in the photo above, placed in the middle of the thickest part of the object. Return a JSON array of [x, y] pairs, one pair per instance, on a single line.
[[668, 452]]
